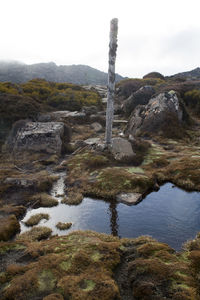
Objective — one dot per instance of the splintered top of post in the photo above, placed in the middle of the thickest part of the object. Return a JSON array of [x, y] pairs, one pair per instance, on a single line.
[[114, 27]]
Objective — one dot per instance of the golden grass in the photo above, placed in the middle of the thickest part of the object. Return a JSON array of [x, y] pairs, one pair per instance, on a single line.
[[35, 234], [44, 200], [63, 226], [35, 219]]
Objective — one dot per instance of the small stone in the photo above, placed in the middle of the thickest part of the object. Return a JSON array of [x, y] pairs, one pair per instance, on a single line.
[[96, 126], [129, 198], [92, 141]]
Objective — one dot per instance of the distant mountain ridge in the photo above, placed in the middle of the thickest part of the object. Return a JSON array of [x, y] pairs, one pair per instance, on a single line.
[[16, 72], [189, 75]]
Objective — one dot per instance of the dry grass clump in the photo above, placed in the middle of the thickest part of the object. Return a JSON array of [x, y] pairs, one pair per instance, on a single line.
[[9, 226], [44, 200], [74, 197], [63, 226], [18, 211], [97, 161], [157, 272], [35, 234], [193, 254], [184, 172], [35, 219]]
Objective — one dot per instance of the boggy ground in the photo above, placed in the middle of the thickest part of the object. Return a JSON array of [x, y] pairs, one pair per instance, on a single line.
[[158, 160], [89, 265]]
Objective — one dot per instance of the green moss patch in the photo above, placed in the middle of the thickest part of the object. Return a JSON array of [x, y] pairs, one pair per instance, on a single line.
[[46, 281], [87, 285]]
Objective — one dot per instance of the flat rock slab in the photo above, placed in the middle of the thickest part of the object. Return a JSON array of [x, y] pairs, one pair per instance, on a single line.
[[122, 149], [129, 198], [92, 141], [61, 116]]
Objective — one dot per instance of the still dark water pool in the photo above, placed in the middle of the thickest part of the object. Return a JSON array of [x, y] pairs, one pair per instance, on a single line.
[[170, 215]]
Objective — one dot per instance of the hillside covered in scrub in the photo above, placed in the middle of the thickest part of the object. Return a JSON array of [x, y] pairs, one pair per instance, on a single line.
[[27, 100], [53, 160], [78, 74]]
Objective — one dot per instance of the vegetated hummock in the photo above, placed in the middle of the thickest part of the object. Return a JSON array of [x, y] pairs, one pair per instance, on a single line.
[[85, 264], [35, 219], [63, 226]]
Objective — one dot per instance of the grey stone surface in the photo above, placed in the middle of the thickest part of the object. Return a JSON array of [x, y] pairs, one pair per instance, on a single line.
[[89, 110], [97, 127], [151, 117], [129, 198], [92, 141], [122, 149], [48, 137], [140, 97], [24, 183], [101, 119], [62, 116]]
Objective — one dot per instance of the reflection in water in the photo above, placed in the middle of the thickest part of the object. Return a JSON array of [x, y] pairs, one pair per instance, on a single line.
[[170, 215], [113, 218]]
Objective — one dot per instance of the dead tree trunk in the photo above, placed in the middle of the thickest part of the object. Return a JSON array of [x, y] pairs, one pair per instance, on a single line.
[[111, 79]]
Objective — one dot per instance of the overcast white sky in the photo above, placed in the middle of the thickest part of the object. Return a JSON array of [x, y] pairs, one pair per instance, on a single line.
[[154, 35]]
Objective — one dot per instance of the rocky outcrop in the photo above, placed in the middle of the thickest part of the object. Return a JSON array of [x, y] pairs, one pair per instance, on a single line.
[[141, 96], [122, 149], [162, 111], [49, 137], [63, 116]]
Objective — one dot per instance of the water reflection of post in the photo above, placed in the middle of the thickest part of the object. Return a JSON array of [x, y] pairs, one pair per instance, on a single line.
[[113, 218]]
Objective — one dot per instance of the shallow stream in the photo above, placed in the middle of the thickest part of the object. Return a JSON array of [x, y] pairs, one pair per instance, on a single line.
[[170, 215]]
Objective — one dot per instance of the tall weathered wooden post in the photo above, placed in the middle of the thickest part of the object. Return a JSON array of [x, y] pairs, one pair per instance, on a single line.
[[111, 79]]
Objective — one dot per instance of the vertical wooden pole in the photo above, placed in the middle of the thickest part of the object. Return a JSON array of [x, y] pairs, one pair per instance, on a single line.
[[111, 79]]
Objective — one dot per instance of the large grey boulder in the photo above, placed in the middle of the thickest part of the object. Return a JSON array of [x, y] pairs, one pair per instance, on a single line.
[[159, 113], [140, 97], [122, 149], [49, 137]]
